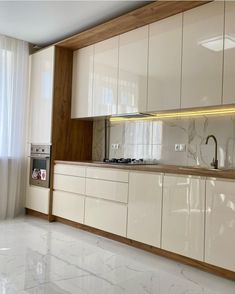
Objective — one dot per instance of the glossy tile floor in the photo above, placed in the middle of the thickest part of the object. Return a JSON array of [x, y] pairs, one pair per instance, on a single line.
[[38, 257]]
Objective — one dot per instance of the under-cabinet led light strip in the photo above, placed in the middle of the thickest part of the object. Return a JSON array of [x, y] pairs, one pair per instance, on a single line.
[[180, 114]]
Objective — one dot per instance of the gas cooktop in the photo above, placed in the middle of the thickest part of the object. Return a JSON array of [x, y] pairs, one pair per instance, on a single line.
[[129, 161]]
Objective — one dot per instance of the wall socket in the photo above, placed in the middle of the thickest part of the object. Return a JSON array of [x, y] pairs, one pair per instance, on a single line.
[[180, 147], [115, 146]]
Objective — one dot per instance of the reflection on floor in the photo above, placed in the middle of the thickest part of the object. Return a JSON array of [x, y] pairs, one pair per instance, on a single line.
[[38, 257]]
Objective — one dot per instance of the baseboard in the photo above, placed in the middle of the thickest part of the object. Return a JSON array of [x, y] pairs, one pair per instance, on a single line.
[[35, 213]]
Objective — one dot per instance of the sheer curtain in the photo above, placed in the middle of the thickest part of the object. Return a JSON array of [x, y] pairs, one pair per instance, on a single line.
[[13, 112]]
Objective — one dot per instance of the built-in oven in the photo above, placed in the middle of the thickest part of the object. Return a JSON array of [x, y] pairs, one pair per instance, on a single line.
[[40, 159]]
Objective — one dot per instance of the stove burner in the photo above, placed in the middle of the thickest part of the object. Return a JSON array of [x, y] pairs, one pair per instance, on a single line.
[[125, 160]]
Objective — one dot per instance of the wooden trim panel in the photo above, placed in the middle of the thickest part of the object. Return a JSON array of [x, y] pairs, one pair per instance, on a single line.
[[137, 18], [186, 260], [35, 213]]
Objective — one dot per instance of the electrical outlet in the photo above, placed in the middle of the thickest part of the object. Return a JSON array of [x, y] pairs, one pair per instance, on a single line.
[[177, 147], [180, 147], [115, 146]]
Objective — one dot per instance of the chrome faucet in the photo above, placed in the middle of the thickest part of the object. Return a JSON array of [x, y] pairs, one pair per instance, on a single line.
[[215, 159]]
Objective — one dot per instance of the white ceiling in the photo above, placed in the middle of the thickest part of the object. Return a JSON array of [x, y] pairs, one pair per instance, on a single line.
[[44, 22]]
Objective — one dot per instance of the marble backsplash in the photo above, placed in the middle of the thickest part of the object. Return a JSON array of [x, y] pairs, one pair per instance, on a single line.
[[156, 139]]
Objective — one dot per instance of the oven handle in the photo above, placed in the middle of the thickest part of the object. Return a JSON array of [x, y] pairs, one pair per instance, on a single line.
[[39, 157]]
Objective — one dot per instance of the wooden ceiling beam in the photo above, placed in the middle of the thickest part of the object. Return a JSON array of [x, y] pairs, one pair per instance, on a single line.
[[147, 14]]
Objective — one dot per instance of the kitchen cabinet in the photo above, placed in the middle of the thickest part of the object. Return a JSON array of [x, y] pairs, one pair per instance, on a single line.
[[41, 95], [132, 77], [202, 57], [183, 215], [69, 183], [82, 82], [107, 190], [69, 206], [144, 207], [37, 198], [105, 77], [164, 64], [229, 54], [106, 215], [220, 223]]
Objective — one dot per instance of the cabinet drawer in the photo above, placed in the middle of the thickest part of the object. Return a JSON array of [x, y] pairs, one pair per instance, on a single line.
[[70, 169], [69, 184], [107, 190], [69, 206], [106, 215], [107, 174]]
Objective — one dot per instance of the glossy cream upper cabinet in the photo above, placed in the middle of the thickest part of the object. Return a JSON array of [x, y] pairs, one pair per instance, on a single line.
[[220, 223], [202, 55], [144, 208], [183, 215], [229, 54], [41, 95], [82, 82], [132, 80], [105, 77], [164, 72]]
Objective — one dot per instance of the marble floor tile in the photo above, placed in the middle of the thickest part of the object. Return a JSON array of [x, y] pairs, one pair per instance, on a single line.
[[37, 257]]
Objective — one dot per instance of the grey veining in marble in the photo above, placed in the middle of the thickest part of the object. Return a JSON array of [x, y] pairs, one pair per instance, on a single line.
[[156, 140], [37, 257]]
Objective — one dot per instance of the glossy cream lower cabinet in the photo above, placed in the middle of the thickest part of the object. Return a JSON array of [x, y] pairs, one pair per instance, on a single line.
[[82, 83], [183, 215], [105, 77], [133, 64], [220, 223], [144, 207], [229, 54], [164, 64], [37, 199], [109, 190], [69, 206], [202, 58], [106, 215]]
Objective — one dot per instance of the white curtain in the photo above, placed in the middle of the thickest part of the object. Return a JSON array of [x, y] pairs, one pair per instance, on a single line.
[[14, 57]]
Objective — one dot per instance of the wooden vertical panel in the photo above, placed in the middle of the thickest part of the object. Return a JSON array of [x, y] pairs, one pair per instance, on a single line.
[[71, 139]]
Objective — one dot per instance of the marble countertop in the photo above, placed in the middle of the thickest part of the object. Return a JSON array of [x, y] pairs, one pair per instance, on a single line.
[[161, 168]]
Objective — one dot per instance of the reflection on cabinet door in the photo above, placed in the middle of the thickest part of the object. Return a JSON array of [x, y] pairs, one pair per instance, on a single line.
[[164, 74], [144, 208], [220, 223], [183, 215], [132, 81], [82, 82], [202, 55], [105, 77], [41, 95], [229, 54]]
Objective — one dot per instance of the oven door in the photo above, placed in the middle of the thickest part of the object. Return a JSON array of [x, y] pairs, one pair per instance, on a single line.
[[39, 174]]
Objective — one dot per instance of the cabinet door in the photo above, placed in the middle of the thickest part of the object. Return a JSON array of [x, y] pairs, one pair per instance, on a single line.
[[82, 82], [164, 74], [183, 215], [202, 55], [105, 77], [220, 223], [132, 80], [37, 199], [229, 54], [144, 208], [69, 206], [106, 215], [41, 95]]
